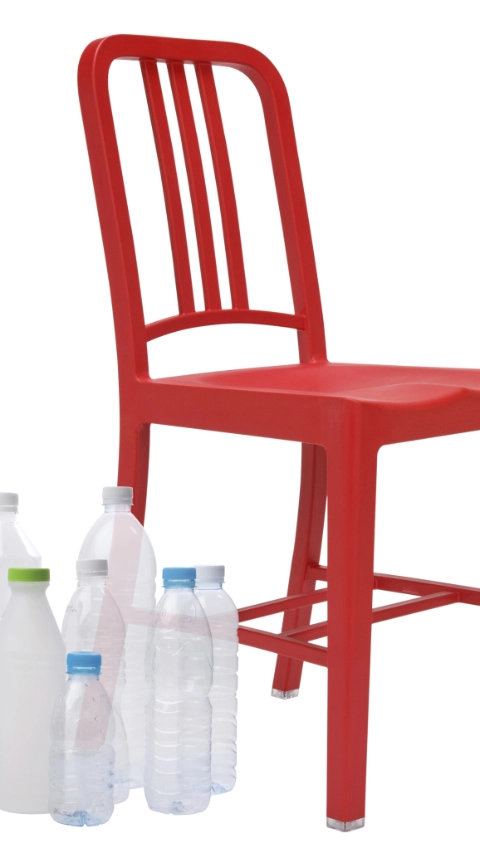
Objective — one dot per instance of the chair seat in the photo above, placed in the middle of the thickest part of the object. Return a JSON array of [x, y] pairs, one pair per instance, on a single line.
[[406, 402]]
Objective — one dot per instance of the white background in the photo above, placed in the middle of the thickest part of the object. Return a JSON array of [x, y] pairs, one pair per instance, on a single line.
[[386, 103]]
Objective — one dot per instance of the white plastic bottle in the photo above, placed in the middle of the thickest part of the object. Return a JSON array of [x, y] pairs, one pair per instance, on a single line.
[[32, 674], [222, 618], [93, 622], [15, 547], [179, 714], [82, 755], [118, 537]]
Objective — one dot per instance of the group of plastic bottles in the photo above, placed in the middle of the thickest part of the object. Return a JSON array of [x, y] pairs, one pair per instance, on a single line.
[[150, 698]]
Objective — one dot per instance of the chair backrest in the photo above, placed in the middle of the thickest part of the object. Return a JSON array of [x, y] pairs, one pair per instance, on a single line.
[[132, 334]]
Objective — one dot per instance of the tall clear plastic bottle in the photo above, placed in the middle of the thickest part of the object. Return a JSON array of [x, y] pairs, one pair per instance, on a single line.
[[222, 618], [93, 622], [179, 714], [82, 755], [15, 547], [118, 537], [32, 674]]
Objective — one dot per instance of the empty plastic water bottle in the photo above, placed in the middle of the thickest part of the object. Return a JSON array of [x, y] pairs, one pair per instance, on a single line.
[[82, 755], [15, 547], [179, 714], [118, 537], [94, 623], [222, 618]]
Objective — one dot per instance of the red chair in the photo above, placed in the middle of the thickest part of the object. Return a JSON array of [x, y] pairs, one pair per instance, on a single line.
[[342, 413]]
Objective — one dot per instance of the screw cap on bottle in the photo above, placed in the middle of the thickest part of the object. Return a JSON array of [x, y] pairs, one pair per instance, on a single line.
[[8, 501], [117, 495], [92, 568], [210, 574], [29, 575], [84, 663], [181, 576]]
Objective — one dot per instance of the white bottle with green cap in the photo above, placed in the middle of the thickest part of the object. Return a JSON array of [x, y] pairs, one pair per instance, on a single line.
[[32, 674], [15, 547]]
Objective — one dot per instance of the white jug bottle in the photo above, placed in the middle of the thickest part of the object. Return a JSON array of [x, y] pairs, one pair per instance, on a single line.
[[15, 548], [32, 674], [222, 618], [118, 537]]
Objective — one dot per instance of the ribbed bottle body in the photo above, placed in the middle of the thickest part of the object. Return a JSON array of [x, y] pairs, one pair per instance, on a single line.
[[179, 714]]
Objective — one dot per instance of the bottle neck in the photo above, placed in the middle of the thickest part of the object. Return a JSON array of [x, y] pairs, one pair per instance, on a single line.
[[179, 590], [7, 515], [92, 580], [38, 588], [208, 585], [83, 677], [118, 508]]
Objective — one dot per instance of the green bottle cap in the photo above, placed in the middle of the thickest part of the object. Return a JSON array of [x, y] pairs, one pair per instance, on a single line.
[[29, 575]]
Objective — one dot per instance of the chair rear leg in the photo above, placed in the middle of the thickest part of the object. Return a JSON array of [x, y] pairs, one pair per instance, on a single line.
[[133, 463], [351, 522], [308, 542]]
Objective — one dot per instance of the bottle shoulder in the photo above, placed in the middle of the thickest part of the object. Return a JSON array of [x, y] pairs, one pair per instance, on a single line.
[[215, 601], [29, 627], [87, 605], [82, 713], [14, 543], [114, 534]]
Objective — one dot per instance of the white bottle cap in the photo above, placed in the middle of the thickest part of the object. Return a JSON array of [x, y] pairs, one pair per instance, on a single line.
[[92, 568], [117, 495], [8, 501], [210, 574]]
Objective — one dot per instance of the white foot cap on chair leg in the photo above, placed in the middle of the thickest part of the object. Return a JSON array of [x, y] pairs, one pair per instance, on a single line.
[[284, 694], [345, 826]]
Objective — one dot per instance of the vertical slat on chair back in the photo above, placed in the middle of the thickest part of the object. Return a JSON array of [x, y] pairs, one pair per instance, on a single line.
[[226, 192], [171, 190], [196, 182], [113, 209]]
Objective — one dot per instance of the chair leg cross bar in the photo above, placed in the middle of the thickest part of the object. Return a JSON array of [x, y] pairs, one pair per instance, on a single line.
[[295, 643]]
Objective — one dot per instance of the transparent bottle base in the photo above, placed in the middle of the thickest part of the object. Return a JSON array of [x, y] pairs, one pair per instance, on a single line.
[[345, 826], [222, 787], [121, 793], [79, 818], [178, 807]]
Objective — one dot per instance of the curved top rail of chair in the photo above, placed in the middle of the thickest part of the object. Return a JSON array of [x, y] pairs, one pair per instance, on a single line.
[[179, 322]]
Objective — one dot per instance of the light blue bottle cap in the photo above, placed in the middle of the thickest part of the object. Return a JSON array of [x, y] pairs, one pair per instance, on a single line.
[[84, 663], [182, 577]]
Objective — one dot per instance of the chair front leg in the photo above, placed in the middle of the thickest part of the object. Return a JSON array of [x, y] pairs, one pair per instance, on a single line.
[[351, 523], [308, 542], [133, 463]]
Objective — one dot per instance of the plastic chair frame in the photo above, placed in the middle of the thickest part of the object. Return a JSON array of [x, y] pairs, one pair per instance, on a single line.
[[342, 414]]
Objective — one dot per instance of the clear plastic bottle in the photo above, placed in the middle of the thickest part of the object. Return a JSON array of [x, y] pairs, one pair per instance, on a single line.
[[32, 674], [15, 547], [81, 755], [179, 714], [118, 537], [222, 618], [93, 622]]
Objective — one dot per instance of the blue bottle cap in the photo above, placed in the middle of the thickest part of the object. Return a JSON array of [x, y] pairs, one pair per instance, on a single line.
[[182, 577], [84, 663]]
